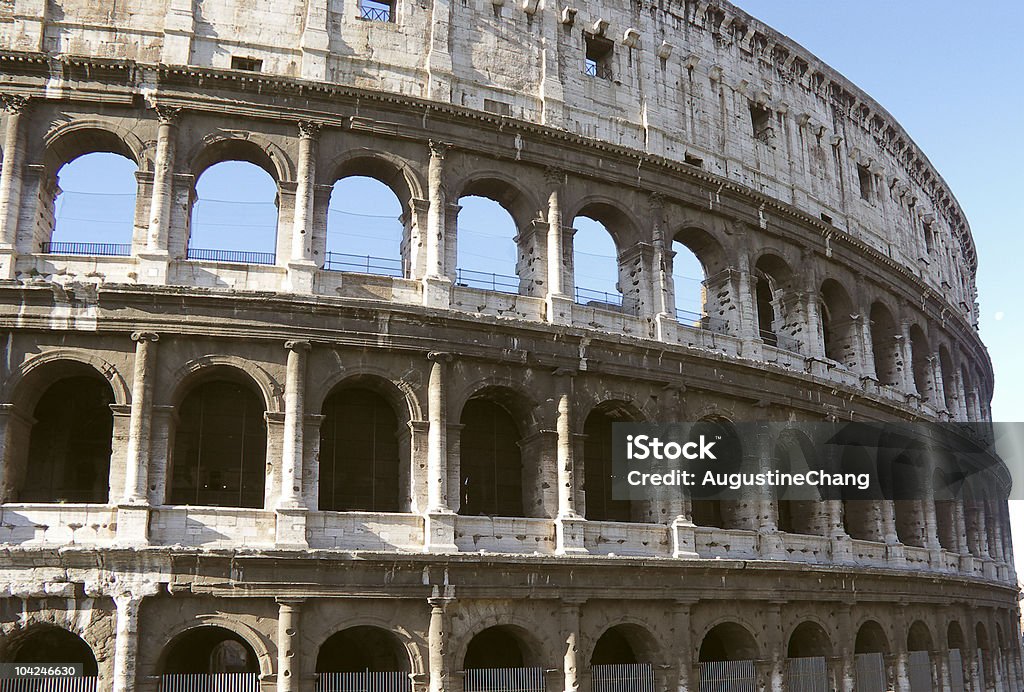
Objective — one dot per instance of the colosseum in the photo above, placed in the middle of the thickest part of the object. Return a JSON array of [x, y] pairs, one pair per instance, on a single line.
[[233, 470]]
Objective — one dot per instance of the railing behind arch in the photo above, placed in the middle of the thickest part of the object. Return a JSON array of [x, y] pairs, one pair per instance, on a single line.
[[234, 256], [728, 676], [870, 672], [210, 682], [504, 680], [501, 283], [68, 684], [919, 670], [807, 674], [956, 671], [622, 677], [367, 681], [363, 264], [87, 249]]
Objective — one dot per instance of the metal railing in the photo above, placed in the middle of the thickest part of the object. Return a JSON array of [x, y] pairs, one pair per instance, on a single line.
[[622, 677], [68, 684], [605, 300], [919, 671], [807, 674], [234, 256], [728, 676], [363, 264], [779, 341], [699, 321], [504, 680], [367, 681], [593, 69], [956, 671], [870, 669], [374, 12], [210, 682], [87, 249], [502, 283]]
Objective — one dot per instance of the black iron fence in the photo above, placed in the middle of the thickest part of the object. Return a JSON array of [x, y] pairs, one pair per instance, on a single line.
[[88, 249], [235, 256], [363, 264], [489, 282]]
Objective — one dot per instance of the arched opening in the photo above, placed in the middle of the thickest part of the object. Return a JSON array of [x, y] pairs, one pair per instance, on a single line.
[[363, 658], [870, 649], [220, 444], [839, 329], [688, 281], [498, 659], [969, 399], [945, 510], [862, 510], [919, 660], [921, 366], [490, 461], [727, 654], [234, 206], [807, 658], [70, 444], [598, 472], [986, 668], [885, 345], [208, 650], [619, 660], [772, 279], [49, 644], [366, 224], [955, 647], [595, 261], [360, 460], [719, 507], [974, 521], [94, 210], [701, 286], [800, 508], [488, 254], [908, 487], [88, 195]]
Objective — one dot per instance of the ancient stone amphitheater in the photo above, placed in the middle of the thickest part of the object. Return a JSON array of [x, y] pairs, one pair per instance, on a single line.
[[258, 471]]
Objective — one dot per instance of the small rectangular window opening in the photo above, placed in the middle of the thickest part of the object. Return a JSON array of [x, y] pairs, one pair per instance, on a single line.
[[247, 64], [761, 122], [693, 160], [826, 218], [866, 182], [497, 107], [929, 237], [377, 11], [599, 57]]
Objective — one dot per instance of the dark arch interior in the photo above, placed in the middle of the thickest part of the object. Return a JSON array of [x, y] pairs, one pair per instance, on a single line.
[[920, 365], [597, 469], [491, 467], [714, 507], [883, 345], [871, 639], [799, 509], [70, 445], [809, 640], [53, 645], [613, 648], [359, 453], [220, 447], [837, 326], [210, 650], [495, 647], [359, 649], [919, 638], [954, 636], [728, 642]]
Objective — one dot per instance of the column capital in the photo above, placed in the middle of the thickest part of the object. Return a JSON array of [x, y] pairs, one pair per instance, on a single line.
[[289, 601], [553, 176], [656, 202], [167, 115], [14, 103], [440, 357], [565, 372], [298, 345], [309, 129], [439, 604], [152, 337], [439, 149]]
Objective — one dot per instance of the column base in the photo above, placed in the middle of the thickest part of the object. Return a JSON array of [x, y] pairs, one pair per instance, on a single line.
[[895, 553], [666, 328], [684, 539], [133, 525], [842, 549], [967, 564], [751, 349], [291, 528], [153, 268], [569, 535], [301, 274], [437, 292], [439, 532], [771, 546], [559, 309]]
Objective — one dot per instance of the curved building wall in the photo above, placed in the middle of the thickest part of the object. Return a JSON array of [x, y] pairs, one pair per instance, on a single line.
[[697, 124]]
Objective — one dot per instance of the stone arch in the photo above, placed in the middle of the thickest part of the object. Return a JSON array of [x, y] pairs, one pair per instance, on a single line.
[[635, 632], [617, 218], [948, 379], [249, 635], [21, 387], [809, 639], [728, 640], [871, 638], [618, 401], [49, 643], [535, 646], [594, 466], [199, 368], [358, 648], [234, 145], [395, 172], [67, 141], [885, 349], [920, 363], [401, 394], [955, 636], [719, 509], [406, 638], [919, 637], [800, 509], [773, 286], [505, 189], [839, 335]]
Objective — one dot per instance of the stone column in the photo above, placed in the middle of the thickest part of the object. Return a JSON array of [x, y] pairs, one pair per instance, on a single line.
[[684, 651], [559, 305], [845, 647], [776, 647], [440, 520], [663, 289], [436, 285], [163, 180], [570, 617], [126, 642], [437, 641], [136, 478], [568, 524], [10, 179], [301, 268], [747, 322], [287, 643], [551, 89], [291, 509]]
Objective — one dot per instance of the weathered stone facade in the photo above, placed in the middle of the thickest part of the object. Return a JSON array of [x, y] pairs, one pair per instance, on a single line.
[[697, 124]]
